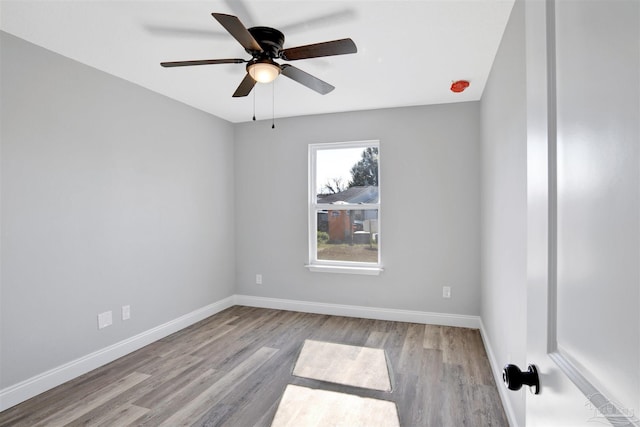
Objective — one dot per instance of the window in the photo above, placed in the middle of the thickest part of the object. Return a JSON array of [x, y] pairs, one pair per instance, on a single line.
[[344, 207]]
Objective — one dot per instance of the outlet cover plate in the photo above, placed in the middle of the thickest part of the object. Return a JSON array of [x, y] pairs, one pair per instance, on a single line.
[[105, 319], [126, 312]]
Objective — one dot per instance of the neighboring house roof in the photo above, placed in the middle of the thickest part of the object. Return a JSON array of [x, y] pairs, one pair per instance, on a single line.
[[352, 195]]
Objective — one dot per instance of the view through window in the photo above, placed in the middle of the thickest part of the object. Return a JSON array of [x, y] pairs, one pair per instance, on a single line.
[[344, 203]]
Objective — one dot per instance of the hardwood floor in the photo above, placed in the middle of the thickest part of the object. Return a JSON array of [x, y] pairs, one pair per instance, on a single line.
[[232, 368]]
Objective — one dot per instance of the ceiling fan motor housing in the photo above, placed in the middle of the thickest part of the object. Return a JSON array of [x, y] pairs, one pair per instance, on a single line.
[[270, 39]]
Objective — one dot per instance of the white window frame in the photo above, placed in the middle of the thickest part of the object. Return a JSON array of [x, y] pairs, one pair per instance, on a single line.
[[332, 266]]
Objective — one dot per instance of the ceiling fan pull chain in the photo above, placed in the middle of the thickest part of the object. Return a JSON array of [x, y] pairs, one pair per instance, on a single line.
[[273, 104], [254, 105]]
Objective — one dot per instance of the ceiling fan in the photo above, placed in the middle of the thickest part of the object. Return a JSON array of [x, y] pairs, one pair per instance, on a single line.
[[265, 44]]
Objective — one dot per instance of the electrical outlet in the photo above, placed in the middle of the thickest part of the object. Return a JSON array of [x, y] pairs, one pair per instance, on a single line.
[[258, 279], [126, 312], [446, 292], [105, 319]]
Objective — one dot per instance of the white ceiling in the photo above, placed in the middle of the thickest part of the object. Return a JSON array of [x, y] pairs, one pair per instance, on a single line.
[[409, 51]]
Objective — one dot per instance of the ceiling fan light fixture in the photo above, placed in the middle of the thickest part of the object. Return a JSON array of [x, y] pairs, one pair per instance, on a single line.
[[264, 71]]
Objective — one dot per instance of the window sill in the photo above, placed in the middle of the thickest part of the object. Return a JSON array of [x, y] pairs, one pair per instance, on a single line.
[[370, 271]]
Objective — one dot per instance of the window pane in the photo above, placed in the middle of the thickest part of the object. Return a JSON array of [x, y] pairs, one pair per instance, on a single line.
[[347, 175], [348, 235]]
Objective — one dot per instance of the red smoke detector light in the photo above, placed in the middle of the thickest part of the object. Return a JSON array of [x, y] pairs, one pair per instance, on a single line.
[[459, 86]]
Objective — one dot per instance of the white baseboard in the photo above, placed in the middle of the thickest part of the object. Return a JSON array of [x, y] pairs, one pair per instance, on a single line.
[[497, 376], [460, 320], [31, 387]]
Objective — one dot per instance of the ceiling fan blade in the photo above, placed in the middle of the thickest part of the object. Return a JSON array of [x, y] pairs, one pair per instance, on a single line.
[[306, 79], [335, 47], [233, 25], [202, 62], [245, 87]]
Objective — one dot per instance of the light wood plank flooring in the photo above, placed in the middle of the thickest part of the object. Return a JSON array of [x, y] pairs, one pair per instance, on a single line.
[[232, 368]]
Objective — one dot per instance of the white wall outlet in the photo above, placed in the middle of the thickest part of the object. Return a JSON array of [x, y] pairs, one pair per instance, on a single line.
[[446, 292], [258, 279], [126, 312], [105, 319]]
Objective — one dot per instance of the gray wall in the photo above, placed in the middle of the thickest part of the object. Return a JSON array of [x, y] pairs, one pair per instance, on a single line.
[[430, 211], [111, 195], [504, 203]]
